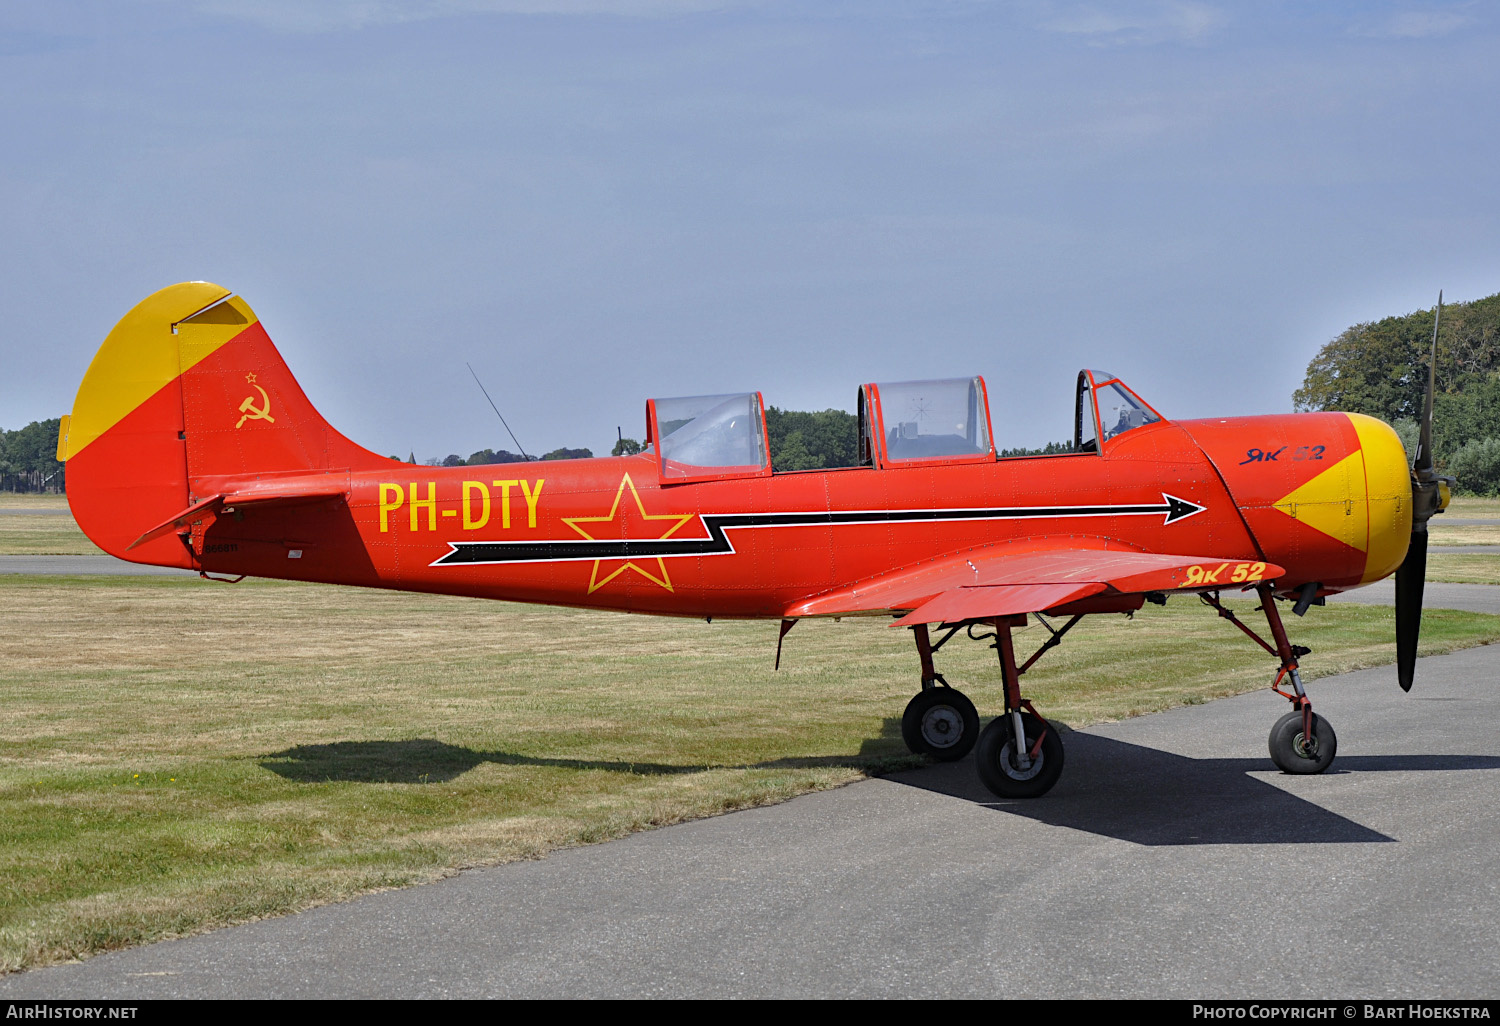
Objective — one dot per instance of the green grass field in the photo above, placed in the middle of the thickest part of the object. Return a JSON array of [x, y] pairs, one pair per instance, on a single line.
[[178, 754], [34, 535], [24, 533], [1463, 567], [32, 500]]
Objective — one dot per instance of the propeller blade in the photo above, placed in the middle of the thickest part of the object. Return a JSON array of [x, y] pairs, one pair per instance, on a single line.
[[1426, 499], [1410, 577], [1422, 465]]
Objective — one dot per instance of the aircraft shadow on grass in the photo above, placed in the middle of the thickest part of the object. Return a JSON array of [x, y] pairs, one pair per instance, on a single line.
[[1151, 797], [429, 761], [1112, 788]]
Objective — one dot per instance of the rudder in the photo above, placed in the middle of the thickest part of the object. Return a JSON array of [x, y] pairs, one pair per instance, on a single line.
[[186, 392]]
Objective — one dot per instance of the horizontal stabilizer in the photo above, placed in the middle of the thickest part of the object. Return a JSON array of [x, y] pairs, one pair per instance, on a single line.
[[284, 491], [187, 518]]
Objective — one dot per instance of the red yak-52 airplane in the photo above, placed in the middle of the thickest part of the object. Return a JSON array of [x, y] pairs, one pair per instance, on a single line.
[[191, 445]]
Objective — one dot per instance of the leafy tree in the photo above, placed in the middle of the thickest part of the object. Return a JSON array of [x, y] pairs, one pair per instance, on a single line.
[[626, 447], [1380, 368], [794, 455], [569, 454], [28, 458], [1050, 449], [827, 438], [1408, 431], [1476, 464]]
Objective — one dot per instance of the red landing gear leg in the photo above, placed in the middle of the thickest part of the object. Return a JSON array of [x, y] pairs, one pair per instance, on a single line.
[[1301, 741], [939, 721], [1019, 755]]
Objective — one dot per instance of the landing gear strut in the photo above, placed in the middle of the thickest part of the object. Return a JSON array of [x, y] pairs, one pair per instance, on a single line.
[[939, 721], [1019, 755], [1301, 741]]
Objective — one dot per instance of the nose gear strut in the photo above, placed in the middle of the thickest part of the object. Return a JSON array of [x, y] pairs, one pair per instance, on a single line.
[[1301, 741]]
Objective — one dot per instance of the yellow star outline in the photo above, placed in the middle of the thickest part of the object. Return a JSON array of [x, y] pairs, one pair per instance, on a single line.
[[678, 520]]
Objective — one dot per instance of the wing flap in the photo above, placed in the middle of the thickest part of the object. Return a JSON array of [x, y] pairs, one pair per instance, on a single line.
[[995, 600], [1024, 571]]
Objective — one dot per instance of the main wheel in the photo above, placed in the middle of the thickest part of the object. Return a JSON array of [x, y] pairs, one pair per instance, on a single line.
[[996, 758], [1293, 752], [942, 723]]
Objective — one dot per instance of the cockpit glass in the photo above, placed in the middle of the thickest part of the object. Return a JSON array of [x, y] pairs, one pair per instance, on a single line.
[[710, 433], [930, 419], [1084, 437], [1119, 411]]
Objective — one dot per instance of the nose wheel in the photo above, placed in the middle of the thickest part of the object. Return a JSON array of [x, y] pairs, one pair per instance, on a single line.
[[940, 722], [1294, 750], [1301, 741]]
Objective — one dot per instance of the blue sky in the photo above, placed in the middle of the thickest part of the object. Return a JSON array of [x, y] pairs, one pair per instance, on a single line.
[[596, 202]]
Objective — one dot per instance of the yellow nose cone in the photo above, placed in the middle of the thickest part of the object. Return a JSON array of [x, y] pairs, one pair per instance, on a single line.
[[1388, 487]]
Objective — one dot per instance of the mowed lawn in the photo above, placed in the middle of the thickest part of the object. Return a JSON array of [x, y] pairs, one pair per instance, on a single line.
[[40, 525], [179, 754]]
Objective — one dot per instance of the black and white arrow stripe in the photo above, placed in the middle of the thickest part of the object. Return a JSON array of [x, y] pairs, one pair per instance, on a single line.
[[717, 543]]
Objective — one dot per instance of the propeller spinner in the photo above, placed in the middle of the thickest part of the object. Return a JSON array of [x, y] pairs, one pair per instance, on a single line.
[[1429, 495]]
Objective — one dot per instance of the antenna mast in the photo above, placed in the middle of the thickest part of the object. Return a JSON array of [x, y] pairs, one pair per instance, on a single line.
[[496, 409]]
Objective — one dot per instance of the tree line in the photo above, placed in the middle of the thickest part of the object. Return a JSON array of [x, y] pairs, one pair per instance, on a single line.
[[485, 457], [1380, 368], [28, 458], [823, 440]]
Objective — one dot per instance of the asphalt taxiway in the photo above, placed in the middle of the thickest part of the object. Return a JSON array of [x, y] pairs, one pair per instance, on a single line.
[[1171, 861]]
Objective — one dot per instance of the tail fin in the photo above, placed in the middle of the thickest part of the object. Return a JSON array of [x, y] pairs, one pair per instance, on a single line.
[[186, 394]]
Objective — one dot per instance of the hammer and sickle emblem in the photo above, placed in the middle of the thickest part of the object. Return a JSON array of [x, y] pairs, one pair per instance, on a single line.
[[250, 410]]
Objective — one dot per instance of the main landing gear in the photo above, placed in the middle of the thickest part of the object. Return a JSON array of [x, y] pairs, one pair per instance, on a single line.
[[1301, 741], [1019, 755]]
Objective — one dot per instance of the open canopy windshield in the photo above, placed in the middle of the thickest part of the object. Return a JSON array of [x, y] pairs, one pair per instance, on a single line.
[[708, 436], [1107, 407]]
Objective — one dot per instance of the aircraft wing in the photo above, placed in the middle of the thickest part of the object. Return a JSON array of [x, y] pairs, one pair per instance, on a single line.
[[1004, 582]]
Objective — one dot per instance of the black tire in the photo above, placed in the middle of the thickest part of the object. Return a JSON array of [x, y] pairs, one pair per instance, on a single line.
[[994, 757], [1291, 752], [942, 723]]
